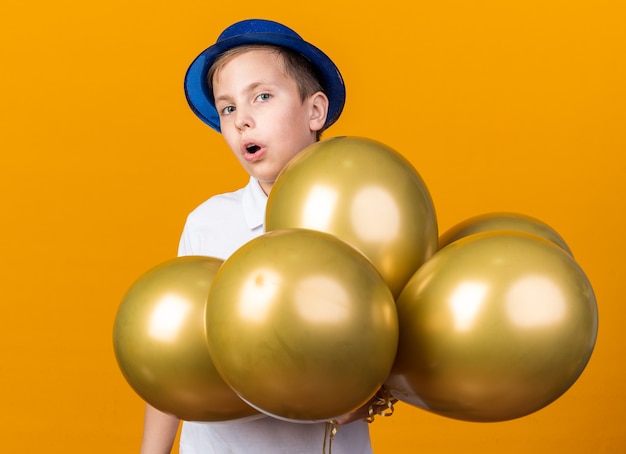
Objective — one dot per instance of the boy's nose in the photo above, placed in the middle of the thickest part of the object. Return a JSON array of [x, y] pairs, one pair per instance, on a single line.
[[243, 119]]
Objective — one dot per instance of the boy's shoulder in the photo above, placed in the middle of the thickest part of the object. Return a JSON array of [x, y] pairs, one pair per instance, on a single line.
[[224, 202], [237, 210], [221, 224]]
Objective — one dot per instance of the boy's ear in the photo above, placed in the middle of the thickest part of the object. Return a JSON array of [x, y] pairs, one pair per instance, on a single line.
[[319, 111]]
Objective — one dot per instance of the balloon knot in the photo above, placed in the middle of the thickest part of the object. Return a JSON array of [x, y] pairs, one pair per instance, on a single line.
[[382, 405]]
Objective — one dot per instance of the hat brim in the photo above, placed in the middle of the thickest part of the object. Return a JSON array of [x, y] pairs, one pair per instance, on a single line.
[[200, 97]]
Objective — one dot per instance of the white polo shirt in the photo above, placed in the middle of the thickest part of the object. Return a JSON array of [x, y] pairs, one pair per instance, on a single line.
[[225, 222], [217, 228]]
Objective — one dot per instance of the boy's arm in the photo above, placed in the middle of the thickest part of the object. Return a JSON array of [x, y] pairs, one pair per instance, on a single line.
[[159, 431]]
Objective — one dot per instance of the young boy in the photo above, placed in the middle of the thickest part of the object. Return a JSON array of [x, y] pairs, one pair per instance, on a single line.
[[270, 94]]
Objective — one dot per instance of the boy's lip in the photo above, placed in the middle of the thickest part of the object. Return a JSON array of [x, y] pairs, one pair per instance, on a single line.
[[252, 151]]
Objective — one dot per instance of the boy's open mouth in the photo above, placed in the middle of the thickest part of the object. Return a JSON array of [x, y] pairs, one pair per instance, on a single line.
[[252, 148]]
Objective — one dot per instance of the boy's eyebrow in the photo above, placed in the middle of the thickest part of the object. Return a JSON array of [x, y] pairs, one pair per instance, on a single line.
[[222, 98], [253, 86]]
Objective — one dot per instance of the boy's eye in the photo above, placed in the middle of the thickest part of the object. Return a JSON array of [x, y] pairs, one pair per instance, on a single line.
[[264, 97], [228, 110]]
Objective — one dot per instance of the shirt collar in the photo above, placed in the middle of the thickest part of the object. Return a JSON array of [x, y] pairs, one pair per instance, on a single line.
[[254, 202]]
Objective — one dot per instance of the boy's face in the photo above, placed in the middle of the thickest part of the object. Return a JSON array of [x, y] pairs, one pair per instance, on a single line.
[[262, 117]]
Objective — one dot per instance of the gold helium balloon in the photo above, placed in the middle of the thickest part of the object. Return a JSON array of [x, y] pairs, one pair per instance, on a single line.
[[365, 193], [493, 327], [502, 221], [301, 325], [160, 343]]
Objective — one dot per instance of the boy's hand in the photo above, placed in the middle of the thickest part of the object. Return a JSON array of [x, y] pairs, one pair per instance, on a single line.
[[380, 404], [360, 413]]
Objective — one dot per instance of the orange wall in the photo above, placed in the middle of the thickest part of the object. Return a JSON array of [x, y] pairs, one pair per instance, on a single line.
[[517, 106]]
